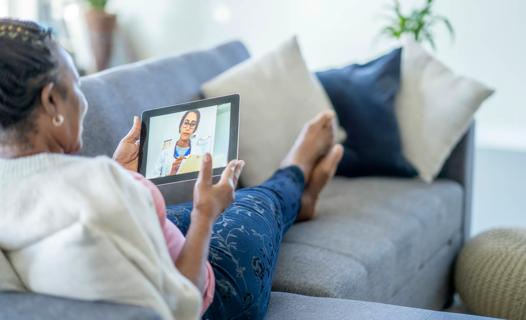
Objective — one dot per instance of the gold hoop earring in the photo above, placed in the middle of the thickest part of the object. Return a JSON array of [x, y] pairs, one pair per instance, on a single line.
[[58, 120]]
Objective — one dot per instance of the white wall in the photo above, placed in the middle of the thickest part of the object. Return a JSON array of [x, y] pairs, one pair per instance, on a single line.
[[500, 181], [488, 46], [3, 8]]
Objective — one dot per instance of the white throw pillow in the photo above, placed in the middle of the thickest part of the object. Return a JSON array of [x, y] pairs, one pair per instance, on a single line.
[[278, 96], [434, 109]]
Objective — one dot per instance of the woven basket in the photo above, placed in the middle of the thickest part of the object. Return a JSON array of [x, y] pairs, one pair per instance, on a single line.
[[490, 274]]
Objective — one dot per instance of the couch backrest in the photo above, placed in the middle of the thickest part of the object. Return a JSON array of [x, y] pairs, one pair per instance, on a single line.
[[116, 95]]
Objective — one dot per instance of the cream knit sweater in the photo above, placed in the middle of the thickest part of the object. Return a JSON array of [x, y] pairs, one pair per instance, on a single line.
[[84, 228]]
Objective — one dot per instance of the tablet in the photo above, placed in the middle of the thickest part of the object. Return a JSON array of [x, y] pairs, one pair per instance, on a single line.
[[175, 138]]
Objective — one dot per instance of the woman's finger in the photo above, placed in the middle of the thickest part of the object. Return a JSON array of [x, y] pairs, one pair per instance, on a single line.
[[135, 132], [205, 174], [238, 171], [228, 174]]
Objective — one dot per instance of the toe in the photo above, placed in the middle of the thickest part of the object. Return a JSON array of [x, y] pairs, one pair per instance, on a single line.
[[323, 118], [330, 115], [328, 164], [327, 118], [334, 157], [337, 152]]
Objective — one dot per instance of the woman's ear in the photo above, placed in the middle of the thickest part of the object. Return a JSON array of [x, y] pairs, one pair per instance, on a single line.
[[48, 99]]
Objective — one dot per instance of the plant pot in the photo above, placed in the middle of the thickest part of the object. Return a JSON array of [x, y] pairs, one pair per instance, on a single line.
[[101, 27]]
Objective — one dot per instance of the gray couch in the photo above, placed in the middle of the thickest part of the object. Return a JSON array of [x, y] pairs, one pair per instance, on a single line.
[[386, 240]]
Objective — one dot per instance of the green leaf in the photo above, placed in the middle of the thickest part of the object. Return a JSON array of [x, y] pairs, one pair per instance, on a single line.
[[447, 23], [418, 23], [391, 32], [397, 9], [98, 4], [429, 37]]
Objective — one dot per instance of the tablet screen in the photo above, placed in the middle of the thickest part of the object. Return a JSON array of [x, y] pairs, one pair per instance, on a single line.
[[178, 137]]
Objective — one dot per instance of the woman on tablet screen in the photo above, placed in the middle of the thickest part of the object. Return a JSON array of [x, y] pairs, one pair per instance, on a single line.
[[172, 155], [107, 228]]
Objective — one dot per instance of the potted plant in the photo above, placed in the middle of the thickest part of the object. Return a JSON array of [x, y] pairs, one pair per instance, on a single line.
[[418, 24], [101, 25]]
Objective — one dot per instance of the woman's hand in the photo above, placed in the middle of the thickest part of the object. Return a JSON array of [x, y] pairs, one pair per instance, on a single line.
[[127, 152], [211, 199], [175, 165]]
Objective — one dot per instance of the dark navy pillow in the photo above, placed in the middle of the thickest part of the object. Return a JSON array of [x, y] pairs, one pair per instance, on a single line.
[[363, 97]]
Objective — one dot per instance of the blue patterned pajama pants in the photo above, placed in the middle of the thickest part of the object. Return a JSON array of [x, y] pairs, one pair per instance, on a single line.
[[245, 243]]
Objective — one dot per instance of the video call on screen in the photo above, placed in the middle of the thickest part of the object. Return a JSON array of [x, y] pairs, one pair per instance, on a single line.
[[178, 141]]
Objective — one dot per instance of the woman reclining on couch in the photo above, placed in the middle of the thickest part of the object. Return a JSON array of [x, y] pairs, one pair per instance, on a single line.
[[93, 228]]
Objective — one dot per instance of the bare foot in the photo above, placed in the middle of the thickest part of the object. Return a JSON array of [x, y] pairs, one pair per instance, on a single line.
[[314, 141], [320, 176]]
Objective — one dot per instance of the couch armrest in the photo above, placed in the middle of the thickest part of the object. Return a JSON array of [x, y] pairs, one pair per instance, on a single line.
[[31, 306], [459, 168]]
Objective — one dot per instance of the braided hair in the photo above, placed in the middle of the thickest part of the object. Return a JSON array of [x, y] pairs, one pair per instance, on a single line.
[[28, 62]]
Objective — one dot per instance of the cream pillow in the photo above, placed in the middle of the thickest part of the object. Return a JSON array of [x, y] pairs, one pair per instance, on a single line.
[[278, 96], [434, 109]]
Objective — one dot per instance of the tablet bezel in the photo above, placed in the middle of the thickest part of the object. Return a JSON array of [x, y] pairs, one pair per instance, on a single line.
[[233, 138]]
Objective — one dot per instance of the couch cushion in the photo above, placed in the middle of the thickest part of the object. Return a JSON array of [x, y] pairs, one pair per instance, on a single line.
[[370, 237], [116, 95], [293, 306], [278, 96], [434, 108], [436, 275], [363, 97], [31, 306]]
